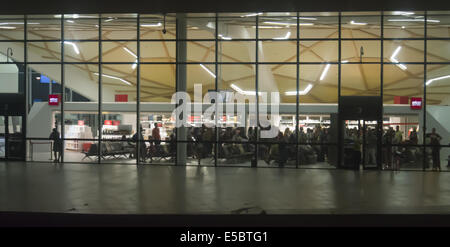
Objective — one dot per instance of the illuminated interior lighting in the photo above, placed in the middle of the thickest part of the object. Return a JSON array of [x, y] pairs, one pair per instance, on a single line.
[[114, 77], [152, 25], [305, 18], [306, 24], [303, 92], [74, 46], [277, 27], [394, 60], [131, 53], [38, 78], [288, 34], [111, 19], [224, 37], [18, 23], [70, 21], [403, 13], [207, 70], [403, 27], [406, 20], [249, 15], [211, 25], [358, 23], [324, 72], [344, 61], [7, 27], [436, 79], [239, 90], [280, 23], [134, 65]]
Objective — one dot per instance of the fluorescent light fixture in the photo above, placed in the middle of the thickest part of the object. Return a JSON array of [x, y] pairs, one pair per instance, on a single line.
[[394, 60], [306, 24], [280, 23], [305, 18], [18, 23], [407, 20], [207, 70], [131, 53], [403, 13], [288, 34], [358, 23], [403, 27], [114, 77], [75, 47], [211, 25], [249, 15], [344, 61], [134, 65], [110, 19], [269, 27], [70, 21], [436, 79], [303, 92], [239, 90], [75, 16], [152, 25], [396, 52], [224, 37], [7, 27], [324, 72]]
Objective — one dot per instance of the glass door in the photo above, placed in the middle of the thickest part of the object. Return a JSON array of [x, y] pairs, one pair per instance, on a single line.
[[370, 146]]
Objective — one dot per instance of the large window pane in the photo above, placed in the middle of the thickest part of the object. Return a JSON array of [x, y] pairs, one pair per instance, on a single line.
[[116, 27], [361, 27], [318, 51], [44, 29], [237, 51], [44, 51], [318, 83], [319, 27], [81, 29], [277, 51], [152, 26], [360, 79]]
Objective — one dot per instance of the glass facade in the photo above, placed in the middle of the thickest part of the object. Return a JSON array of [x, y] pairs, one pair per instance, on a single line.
[[116, 74]]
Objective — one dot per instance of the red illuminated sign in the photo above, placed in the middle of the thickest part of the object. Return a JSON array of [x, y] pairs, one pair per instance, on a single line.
[[115, 122], [416, 103], [80, 122], [121, 98], [53, 99], [108, 122]]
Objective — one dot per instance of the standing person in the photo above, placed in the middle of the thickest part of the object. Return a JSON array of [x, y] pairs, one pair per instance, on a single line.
[[357, 149], [413, 137], [142, 146], [371, 147], [57, 144], [156, 136], [435, 139]]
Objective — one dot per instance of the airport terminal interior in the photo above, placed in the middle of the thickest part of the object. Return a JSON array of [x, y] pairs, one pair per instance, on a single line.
[[105, 84]]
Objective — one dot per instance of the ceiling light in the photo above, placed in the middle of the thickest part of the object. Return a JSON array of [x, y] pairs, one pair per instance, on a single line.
[[406, 20], [7, 27], [358, 23], [306, 24], [110, 19], [211, 25], [18, 23], [305, 18], [131, 53], [403, 13], [249, 15], [403, 27], [207, 70], [134, 65], [114, 77], [70, 21], [324, 72], [394, 60], [303, 92], [152, 25], [239, 90], [225, 38], [75, 47], [436, 79], [271, 27], [288, 34], [280, 23], [344, 61]]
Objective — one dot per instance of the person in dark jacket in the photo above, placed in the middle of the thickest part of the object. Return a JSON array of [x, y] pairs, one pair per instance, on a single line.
[[57, 144]]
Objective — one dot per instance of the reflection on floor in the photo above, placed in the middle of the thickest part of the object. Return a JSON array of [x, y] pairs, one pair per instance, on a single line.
[[147, 189], [77, 157]]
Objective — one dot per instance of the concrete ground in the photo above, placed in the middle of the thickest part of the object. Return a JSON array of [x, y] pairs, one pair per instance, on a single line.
[[159, 189]]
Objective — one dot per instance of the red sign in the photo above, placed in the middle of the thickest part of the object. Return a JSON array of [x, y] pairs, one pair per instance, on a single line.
[[121, 97], [194, 118], [53, 99], [416, 103], [80, 122], [224, 118], [108, 122], [401, 100], [115, 122]]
